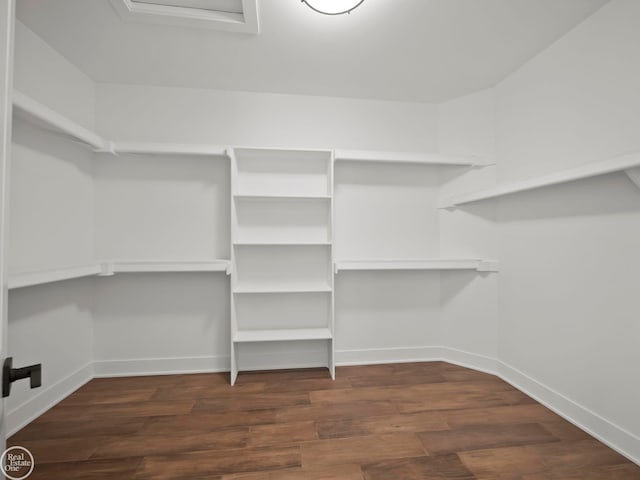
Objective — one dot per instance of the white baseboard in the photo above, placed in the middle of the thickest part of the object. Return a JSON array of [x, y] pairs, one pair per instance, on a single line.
[[160, 366], [607, 432], [47, 398], [388, 355], [614, 436]]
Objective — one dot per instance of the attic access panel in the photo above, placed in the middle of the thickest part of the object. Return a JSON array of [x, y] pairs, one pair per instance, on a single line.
[[228, 15]]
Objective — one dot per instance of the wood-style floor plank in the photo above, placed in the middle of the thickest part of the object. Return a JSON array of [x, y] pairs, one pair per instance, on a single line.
[[330, 472], [443, 467], [205, 464], [360, 449], [410, 421]]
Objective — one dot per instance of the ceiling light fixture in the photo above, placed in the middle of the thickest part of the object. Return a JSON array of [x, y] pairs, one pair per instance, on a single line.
[[333, 7]]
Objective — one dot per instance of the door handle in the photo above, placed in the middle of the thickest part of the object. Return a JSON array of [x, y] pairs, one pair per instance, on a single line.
[[10, 375]]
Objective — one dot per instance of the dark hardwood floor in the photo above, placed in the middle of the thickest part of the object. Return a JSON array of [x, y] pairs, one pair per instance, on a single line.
[[393, 422]]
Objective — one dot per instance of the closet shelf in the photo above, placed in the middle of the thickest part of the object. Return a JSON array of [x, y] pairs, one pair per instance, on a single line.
[[418, 264], [410, 157], [107, 268], [282, 244], [282, 197], [277, 289], [151, 266], [282, 335], [39, 277], [628, 163], [39, 114], [168, 148]]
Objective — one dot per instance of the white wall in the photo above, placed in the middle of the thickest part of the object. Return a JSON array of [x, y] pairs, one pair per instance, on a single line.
[[408, 195], [144, 113], [51, 225], [466, 126], [45, 75], [569, 254], [146, 323], [167, 207], [385, 211]]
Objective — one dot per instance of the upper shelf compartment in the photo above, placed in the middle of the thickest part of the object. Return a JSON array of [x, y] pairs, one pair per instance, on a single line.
[[410, 158], [628, 163], [35, 112], [282, 173]]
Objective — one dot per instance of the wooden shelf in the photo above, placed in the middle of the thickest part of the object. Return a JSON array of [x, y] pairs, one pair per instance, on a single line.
[[418, 264], [409, 157], [39, 277], [292, 289], [35, 112], [282, 335], [168, 149], [628, 163]]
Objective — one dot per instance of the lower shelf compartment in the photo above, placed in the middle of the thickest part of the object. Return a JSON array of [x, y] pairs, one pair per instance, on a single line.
[[282, 335]]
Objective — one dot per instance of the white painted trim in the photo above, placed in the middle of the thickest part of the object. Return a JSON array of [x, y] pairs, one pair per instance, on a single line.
[[475, 361], [43, 400], [245, 22], [620, 440], [388, 355], [602, 167], [160, 366], [7, 30]]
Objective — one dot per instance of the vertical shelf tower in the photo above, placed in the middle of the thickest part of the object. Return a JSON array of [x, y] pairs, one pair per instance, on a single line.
[[282, 249]]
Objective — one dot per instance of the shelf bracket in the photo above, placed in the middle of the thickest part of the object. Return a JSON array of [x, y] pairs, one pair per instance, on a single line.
[[488, 266], [634, 175], [106, 269]]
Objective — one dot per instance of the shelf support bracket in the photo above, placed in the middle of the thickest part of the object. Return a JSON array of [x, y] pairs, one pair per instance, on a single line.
[[488, 266], [634, 175], [106, 269]]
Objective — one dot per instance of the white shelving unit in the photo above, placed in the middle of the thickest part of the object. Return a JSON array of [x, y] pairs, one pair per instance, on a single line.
[[630, 164], [282, 232], [418, 264]]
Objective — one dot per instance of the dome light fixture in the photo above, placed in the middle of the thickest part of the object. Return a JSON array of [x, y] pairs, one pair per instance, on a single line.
[[333, 7]]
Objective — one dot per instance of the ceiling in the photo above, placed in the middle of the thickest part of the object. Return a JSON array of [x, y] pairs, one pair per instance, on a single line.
[[406, 50]]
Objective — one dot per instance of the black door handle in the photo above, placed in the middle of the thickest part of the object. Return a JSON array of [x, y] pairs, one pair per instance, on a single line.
[[10, 375]]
